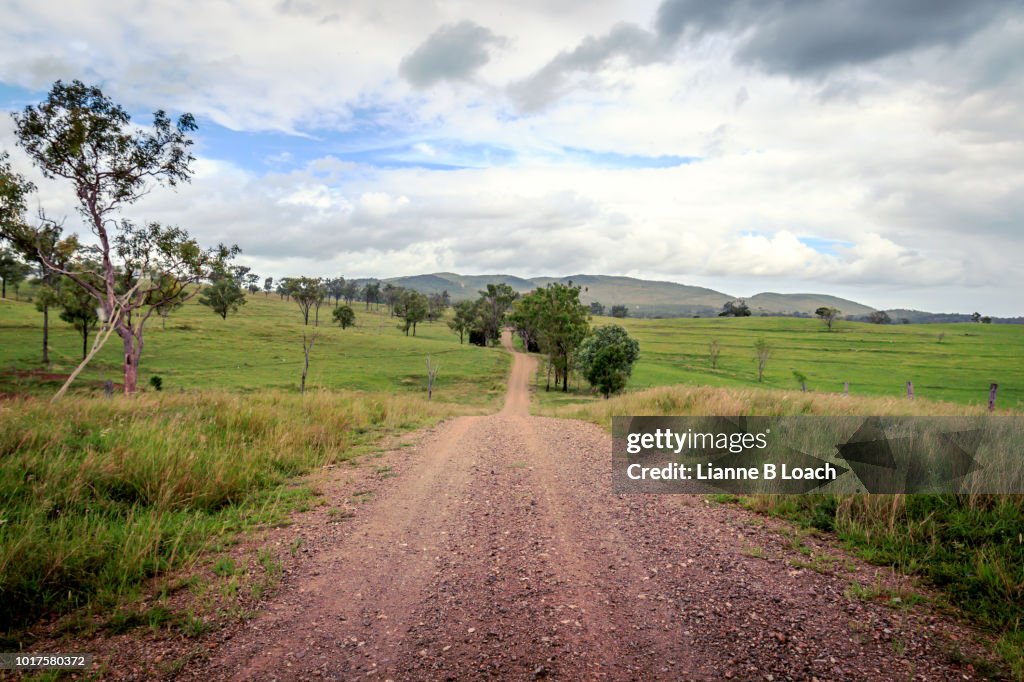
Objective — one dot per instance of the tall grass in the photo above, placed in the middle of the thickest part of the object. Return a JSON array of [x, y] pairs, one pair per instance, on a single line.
[[97, 495], [969, 546]]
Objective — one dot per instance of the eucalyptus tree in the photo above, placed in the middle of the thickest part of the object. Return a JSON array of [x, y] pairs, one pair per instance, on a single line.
[[80, 136]]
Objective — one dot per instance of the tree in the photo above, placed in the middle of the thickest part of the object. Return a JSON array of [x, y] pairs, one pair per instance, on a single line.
[[79, 135], [555, 319], [223, 296], [738, 308], [606, 358], [432, 369], [879, 317], [436, 305], [345, 316], [349, 292], [165, 309], [412, 307], [12, 271], [597, 309], [495, 302], [392, 295], [336, 288], [762, 352], [78, 308], [975, 316], [986, 320], [827, 315], [308, 293], [307, 347], [465, 318], [620, 311], [714, 350], [252, 282], [371, 293], [268, 286]]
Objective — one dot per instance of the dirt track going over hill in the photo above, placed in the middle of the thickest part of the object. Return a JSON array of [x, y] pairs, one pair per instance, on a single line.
[[500, 552]]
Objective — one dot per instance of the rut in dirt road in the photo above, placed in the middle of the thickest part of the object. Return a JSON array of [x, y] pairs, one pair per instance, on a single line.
[[501, 553]]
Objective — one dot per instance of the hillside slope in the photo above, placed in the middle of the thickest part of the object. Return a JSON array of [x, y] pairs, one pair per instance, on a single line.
[[644, 298]]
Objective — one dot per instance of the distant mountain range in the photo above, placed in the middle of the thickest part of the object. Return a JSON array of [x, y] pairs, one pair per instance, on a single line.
[[644, 298]]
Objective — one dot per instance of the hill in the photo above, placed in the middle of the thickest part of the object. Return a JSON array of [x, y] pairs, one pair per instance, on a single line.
[[644, 298], [770, 302]]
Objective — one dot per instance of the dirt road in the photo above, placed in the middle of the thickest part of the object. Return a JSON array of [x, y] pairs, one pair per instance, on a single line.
[[500, 552]]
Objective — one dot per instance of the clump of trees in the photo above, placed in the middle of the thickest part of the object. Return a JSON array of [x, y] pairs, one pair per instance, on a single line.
[[879, 317], [737, 308], [606, 358], [80, 136], [619, 311], [554, 319]]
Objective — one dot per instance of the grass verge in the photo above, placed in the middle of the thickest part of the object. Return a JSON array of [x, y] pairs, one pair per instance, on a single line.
[[98, 495]]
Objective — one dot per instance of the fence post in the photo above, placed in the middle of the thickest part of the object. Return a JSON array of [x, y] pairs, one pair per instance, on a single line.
[[910, 390], [992, 397], [846, 388]]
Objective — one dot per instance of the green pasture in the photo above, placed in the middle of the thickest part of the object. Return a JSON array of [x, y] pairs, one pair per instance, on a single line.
[[258, 348], [877, 360]]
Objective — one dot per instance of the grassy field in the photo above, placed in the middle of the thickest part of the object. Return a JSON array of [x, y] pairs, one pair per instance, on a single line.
[[260, 347], [970, 547], [98, 495], [877, 360]]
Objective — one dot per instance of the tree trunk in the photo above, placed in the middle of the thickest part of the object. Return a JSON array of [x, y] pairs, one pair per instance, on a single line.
[[46, 335], [85, 341], [132, 352], [4, 285]]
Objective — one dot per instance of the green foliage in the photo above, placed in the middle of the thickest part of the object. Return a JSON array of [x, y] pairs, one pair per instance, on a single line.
[[307, 292], [156, 382], [608, 370], [344, 316], [735, 309], [762, 351], [223, 296], [78, 308], [827, 315], [464, 319], [619, 311], [492, 308], [604, 369], [412, 307], [12, 271], [557, 322], [79, 135], [602, 337]]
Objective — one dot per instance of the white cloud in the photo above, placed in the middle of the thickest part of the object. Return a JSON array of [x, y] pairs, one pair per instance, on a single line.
[[912, 157]]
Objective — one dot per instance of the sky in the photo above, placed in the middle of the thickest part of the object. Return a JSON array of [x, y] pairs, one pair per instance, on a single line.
[[871, 149]]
